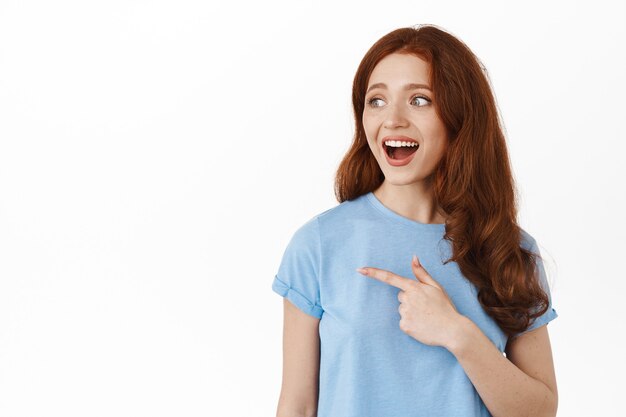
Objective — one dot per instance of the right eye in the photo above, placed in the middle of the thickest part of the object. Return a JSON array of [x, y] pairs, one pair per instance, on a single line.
[[372, 100]]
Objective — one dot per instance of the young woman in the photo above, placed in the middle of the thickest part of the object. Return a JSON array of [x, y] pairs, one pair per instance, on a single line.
[[368, 331]]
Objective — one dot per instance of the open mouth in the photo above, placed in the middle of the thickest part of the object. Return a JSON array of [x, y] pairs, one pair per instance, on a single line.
[[400, 152]]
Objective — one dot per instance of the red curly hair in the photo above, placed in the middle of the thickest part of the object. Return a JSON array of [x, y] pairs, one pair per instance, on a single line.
[[472, 184]]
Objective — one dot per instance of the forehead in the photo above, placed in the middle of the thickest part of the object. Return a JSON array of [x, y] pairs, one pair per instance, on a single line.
[[398, 69]]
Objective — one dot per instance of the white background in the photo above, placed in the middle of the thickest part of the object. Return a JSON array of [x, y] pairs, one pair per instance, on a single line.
[[156, 157]]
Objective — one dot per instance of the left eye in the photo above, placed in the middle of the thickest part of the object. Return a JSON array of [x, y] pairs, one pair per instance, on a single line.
[[423, 98]]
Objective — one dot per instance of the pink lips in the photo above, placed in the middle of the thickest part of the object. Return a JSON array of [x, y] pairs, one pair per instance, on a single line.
[[399, 162]]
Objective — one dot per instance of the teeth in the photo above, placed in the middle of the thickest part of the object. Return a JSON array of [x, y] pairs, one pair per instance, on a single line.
[[398, 144]]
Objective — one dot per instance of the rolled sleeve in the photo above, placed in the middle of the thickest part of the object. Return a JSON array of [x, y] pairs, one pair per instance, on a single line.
[[297, 278], [550, 314]]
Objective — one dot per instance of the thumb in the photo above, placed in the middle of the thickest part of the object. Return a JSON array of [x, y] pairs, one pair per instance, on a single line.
[[421, 273]]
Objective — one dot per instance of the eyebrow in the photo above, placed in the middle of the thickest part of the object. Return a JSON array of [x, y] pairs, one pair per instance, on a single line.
[[410, 86]]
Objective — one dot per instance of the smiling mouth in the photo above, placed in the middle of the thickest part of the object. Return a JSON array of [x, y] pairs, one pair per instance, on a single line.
[[401, 152]]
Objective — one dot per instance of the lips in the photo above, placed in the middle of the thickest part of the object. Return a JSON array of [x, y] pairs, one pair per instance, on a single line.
[[389, 150], [400, 162], [401, 155], [399, 138]]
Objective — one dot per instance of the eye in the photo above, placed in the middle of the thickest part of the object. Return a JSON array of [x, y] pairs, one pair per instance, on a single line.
[[372, 100], [426, 100]]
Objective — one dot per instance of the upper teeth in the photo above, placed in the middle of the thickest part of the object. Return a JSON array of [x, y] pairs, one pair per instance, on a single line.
[[397, 143]]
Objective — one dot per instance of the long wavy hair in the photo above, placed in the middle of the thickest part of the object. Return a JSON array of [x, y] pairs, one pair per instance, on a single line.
[[472, 184]]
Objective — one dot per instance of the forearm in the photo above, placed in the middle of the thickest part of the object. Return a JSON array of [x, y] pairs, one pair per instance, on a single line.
[[293, 406], [282, 412], [504, 388]]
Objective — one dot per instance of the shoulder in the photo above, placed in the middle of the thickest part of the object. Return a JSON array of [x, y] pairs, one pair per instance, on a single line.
[[527, 241], [331, 224], [347, 208], [336, 216]]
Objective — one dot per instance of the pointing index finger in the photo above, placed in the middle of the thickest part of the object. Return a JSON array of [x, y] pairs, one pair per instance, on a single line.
[[387, 277]]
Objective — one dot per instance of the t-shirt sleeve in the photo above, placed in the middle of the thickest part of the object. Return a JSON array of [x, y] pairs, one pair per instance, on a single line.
[[297, 278], [550, 314]]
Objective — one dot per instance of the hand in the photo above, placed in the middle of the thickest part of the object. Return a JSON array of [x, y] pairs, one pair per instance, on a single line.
[[427, 313]]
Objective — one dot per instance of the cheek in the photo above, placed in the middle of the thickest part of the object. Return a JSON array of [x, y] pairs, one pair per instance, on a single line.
[[440, 147], [439, 138], [366, 121], [371, 126]]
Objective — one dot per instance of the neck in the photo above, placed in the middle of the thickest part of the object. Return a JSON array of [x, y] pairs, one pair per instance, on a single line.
[[414, 201]]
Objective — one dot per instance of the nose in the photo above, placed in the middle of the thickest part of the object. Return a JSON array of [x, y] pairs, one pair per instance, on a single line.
[[395, 116]]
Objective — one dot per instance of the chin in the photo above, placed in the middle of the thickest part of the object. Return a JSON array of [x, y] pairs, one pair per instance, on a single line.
[[404, 178]]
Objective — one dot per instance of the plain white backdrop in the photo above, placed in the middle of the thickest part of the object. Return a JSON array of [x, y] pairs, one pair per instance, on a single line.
[[156, 157]]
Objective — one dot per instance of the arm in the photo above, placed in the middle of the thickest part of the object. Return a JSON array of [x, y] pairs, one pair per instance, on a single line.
[[301, 350], [521, 384]]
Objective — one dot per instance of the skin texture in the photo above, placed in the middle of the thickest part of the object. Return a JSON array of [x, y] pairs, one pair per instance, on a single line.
[[301, 355], [393, 110]]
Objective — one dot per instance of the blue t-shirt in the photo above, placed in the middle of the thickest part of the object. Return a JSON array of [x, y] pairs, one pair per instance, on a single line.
[[368, 366]]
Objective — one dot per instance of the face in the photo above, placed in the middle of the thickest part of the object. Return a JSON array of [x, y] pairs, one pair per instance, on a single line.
[[397, 110]]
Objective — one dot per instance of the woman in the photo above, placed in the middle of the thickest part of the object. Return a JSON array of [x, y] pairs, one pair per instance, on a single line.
[[428, 174]]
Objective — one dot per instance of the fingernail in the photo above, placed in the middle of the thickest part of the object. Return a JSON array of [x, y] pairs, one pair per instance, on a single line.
[[415, 261], [362, 271]]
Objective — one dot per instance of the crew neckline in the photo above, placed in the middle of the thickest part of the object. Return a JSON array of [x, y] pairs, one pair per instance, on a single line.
[[387, 212]]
